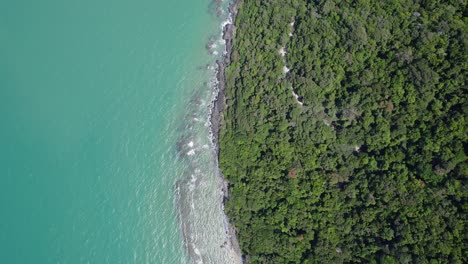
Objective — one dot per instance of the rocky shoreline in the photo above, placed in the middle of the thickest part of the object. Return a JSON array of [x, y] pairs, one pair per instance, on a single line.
[[216, 116], [186, 198], [219, 100]]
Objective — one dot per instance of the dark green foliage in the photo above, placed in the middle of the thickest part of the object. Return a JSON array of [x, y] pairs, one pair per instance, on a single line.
[[372, 168]]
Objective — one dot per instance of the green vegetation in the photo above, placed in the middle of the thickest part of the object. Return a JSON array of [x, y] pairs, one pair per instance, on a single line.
[[372, 167]]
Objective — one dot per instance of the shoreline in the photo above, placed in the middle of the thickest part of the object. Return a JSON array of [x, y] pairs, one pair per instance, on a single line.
[[215, 118], [218, 101], [190, 188]]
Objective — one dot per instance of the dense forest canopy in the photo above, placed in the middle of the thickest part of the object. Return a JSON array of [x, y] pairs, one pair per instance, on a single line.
[[344, 133]]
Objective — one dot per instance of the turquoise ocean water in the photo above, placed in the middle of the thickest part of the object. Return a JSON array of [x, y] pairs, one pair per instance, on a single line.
[[95, 97]]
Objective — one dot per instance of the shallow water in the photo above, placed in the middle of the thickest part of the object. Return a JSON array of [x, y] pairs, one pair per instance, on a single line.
[[95, 96]]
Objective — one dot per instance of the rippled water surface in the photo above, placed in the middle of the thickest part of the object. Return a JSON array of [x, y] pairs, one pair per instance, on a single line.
[[95, 97]]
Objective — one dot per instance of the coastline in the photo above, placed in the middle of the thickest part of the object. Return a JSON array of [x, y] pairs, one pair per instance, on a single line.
[[215, 119], [218, 102], [201, 191]]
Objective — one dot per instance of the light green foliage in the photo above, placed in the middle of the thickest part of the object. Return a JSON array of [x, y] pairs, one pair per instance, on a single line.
[[372, 168]]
